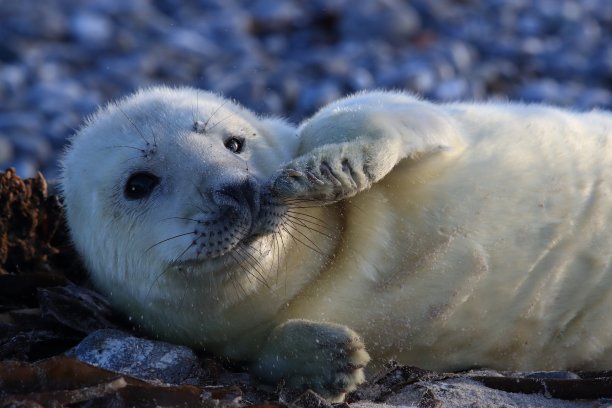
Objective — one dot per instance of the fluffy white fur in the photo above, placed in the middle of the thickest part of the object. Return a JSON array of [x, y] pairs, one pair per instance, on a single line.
[[449, 236]]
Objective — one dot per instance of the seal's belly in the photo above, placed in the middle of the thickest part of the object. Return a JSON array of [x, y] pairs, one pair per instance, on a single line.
[[462, 266]]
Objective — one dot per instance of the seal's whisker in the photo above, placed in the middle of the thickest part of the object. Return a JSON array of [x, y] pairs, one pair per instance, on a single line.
[[351, 204], [304, 235], [221, 121], [201, 194], [250, 255], [253, 265], [284, 248], [302, 201], [248, 273], [195, 109], [306, 203], [180, 270], [242, 246], [274, 246], [191, 244], [277, 254], [133, 124], [198, 190], [168, 239], [131, 158], [298, 199], [291, 210], [180, 218], [201, 209], [159, 275], [212, 115], [304, 224], [212, 283], [127, 147], [310, 218], [303, 205], [154, 134], [315, 249], [233, 278]]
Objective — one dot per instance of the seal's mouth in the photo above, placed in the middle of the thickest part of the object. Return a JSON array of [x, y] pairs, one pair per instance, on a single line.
[[221, 235], [242, 215]]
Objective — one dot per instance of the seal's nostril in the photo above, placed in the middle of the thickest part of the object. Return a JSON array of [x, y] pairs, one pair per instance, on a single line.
[[239, 193]]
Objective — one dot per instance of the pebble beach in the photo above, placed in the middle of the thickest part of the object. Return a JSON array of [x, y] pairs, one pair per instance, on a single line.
[[60, 59]]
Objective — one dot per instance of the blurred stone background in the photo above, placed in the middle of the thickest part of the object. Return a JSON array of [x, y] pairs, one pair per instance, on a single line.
[[60, 59]]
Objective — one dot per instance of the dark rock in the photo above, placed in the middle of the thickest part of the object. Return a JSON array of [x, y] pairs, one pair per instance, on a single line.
[[76, 307]]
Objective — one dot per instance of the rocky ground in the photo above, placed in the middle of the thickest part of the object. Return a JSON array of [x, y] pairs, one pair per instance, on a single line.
[[60, 59], [62, 345]]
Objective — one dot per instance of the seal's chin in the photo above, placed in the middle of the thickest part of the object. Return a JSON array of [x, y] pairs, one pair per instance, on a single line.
[[233, 253]]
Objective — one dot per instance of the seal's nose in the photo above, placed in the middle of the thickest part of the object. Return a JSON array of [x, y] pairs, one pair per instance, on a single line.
[[239, 193]]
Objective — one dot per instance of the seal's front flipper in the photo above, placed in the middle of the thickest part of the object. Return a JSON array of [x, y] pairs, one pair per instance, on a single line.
[[333, 172], [327, 358], [356, 141]]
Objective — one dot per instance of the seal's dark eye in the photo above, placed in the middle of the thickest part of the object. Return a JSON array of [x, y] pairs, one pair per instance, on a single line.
[[140, 185], [234, 144]]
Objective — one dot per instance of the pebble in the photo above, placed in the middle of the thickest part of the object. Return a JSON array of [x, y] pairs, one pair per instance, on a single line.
[[59, 61], [91, 28], [155, 360], [451, 90]]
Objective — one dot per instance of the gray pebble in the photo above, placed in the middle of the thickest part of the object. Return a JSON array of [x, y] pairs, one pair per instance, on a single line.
[[140, 358], [191, 41], [91, 28], [12, 80], [451, 90]]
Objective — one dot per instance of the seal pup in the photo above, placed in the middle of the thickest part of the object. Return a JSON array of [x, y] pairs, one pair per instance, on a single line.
[[445, 236]]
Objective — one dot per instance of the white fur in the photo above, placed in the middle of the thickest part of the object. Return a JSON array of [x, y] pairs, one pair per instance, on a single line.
[[495, 250], [466, 235]]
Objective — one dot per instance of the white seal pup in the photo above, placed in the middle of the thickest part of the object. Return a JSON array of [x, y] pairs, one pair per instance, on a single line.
[[445, 236]]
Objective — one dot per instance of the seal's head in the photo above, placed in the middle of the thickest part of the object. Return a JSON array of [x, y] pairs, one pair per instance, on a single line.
[[170, 178]]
